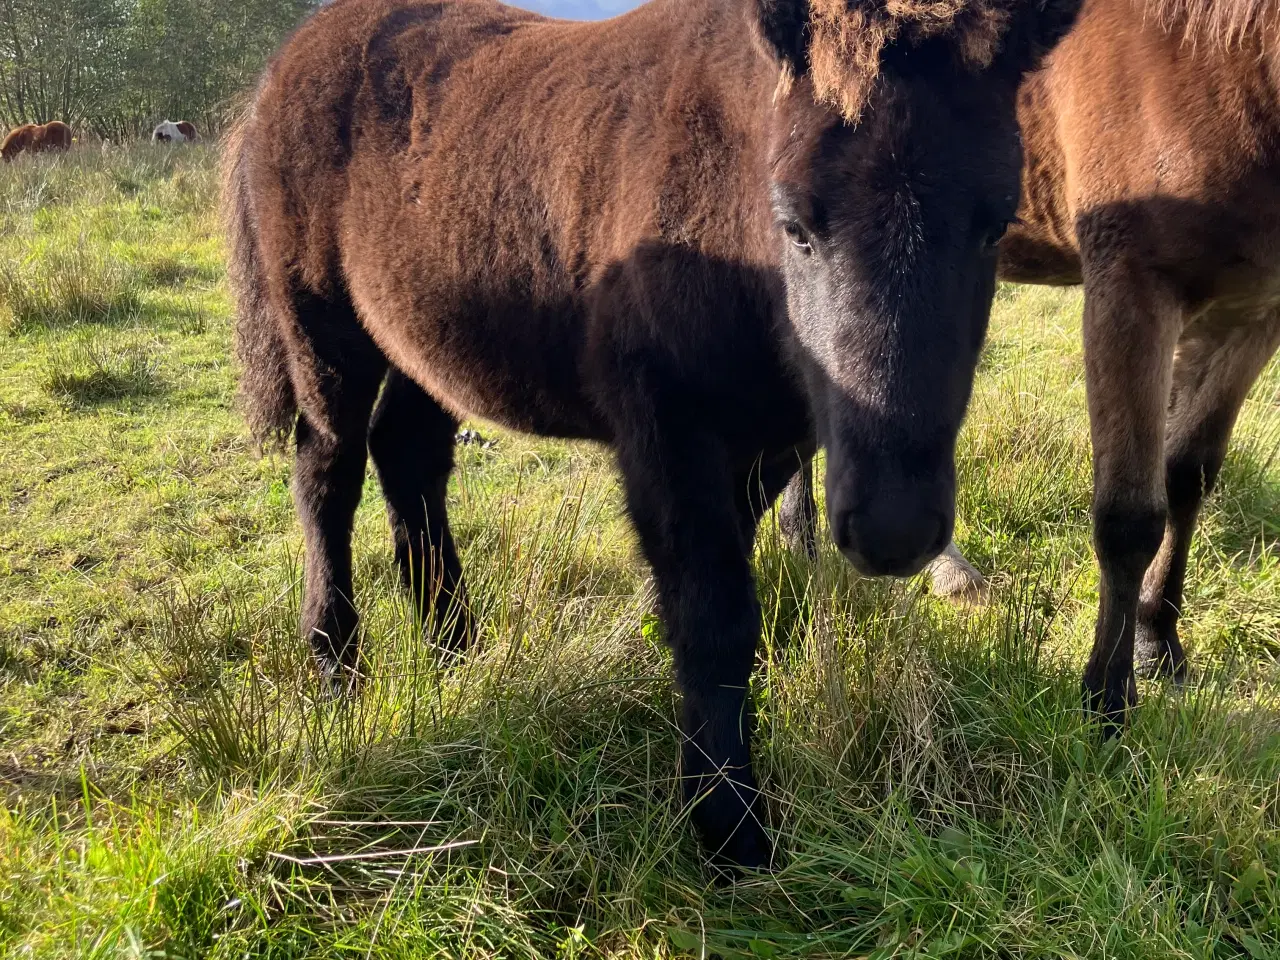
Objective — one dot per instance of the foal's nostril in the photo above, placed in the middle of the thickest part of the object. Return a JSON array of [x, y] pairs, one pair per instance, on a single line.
[[892, 542], [846, 529]]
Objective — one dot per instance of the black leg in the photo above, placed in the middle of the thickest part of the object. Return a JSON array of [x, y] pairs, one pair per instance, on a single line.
[[798, 513], [329, 477], [682, 494], [412, 440], [1217, 362]]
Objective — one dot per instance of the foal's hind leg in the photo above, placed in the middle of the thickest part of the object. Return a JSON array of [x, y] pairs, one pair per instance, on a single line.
[[1217, 362], [412, 440], [332, 428]]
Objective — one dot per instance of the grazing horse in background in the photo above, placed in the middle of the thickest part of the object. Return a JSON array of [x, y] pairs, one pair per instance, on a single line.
[[1152, 176], [36, 138], [170, 132], [708, 233]]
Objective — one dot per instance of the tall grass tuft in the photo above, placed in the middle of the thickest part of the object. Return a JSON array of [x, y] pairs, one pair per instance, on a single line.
[[935, 787], [92, 370], [63, 286]]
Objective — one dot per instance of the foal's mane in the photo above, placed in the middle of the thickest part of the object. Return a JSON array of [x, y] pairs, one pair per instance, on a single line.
[[1217, 23], [847, 39]]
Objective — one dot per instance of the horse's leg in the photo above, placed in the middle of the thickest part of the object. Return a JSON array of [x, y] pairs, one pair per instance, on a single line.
[[798, 513], [331, 436], [1130, 327], [772, 477], [412, 441], [1216, 365], [681, 495]]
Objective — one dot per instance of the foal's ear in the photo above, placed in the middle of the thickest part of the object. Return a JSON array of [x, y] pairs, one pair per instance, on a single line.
[[1037, 27], [782, 28]]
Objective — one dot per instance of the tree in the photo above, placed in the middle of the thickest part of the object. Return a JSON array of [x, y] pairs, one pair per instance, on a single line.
[[54, 55], [116, 67]]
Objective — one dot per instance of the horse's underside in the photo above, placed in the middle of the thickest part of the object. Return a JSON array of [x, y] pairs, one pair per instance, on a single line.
[[1152, 176]]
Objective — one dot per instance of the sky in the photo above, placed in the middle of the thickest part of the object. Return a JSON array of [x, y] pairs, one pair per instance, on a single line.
[[577, 9]]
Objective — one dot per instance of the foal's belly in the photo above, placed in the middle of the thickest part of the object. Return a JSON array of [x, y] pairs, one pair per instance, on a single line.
[[1228, 260], [516, 364], [1028, 257]]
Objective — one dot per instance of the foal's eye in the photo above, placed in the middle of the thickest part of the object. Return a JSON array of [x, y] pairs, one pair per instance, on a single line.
[[797, 235]]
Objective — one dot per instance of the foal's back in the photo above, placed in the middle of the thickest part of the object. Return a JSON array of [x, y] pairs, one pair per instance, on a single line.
[[473, 176]]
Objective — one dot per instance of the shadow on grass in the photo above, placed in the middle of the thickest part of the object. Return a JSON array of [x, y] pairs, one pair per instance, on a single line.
[[172, 271], [119, 308]]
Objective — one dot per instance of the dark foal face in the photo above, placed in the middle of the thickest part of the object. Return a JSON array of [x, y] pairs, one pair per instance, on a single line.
[[889, 232]]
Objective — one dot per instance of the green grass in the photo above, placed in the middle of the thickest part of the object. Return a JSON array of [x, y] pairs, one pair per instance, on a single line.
[[175, 786]]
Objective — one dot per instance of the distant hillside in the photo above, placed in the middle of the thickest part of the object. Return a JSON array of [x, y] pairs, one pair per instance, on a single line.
[[577, 9]]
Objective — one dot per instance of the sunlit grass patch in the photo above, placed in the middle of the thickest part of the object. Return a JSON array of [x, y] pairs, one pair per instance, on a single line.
[[89, 371], [66, 285], [77, 249], [178, 182]]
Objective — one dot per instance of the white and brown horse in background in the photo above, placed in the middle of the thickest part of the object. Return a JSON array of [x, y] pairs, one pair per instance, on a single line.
[[170, 132]]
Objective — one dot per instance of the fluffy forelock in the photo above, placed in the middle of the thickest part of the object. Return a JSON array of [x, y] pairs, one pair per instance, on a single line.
[[847, 40]]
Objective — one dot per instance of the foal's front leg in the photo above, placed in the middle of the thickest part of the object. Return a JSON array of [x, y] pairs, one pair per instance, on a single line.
[[682, 494], [1130, 327]]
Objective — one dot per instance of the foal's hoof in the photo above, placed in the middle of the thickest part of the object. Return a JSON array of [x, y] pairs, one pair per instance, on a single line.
[[800, 538], [1159, 658], [452, 640], [1110, 705], [747, 849], [338, 680], [340, 683], [955, 579]]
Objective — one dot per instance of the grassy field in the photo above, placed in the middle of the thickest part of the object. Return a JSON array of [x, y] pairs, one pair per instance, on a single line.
[[174, 786]]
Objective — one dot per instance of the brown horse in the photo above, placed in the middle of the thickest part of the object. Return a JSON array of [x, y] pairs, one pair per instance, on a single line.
[[1152, 177], [707, 233], [36, 138]]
